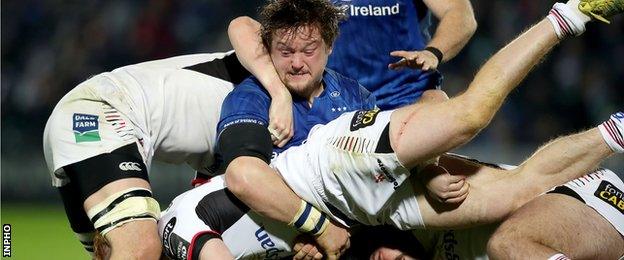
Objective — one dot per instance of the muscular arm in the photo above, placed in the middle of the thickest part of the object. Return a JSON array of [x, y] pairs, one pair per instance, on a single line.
[[243, 34], [261, 188], [264, 191], [456, 25]]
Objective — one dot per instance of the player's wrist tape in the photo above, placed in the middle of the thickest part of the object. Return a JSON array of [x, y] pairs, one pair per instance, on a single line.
[[309, 219], [436, 52], [567, 20], [612, 132]]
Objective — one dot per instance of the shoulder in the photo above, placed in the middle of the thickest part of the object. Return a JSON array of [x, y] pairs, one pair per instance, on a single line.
[[248, 99]]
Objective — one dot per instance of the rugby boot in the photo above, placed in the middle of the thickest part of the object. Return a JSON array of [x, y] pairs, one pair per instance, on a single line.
[[601, 9]]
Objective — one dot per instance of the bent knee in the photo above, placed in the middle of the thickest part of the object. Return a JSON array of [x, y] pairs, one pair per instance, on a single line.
[[500, 245], [509, 241]]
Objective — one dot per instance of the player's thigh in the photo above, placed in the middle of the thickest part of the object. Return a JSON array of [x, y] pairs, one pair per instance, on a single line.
[[567, 225], [492, 196]]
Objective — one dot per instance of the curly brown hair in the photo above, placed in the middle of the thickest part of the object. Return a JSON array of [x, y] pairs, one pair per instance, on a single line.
[[292, 15]]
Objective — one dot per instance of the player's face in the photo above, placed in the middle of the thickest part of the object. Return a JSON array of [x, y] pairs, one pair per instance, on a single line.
[[300, 57]]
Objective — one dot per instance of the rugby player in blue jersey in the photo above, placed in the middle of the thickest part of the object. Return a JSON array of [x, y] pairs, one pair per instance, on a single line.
[[245, 143], [377, 32]]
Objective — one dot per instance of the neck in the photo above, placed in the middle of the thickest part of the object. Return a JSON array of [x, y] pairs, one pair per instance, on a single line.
[[315, 93]]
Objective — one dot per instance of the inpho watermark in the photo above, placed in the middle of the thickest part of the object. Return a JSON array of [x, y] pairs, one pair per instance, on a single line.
[[6, 240]]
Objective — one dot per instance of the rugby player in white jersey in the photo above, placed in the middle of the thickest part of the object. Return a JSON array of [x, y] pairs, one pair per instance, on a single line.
[[212, 209], [102, 136]]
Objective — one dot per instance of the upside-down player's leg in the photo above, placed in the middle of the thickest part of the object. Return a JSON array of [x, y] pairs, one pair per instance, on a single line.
[[96, 162], [582, 220], [495, 194], [423, 131]]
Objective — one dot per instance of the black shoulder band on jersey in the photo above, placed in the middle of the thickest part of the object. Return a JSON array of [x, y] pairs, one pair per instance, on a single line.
[[244, 139]]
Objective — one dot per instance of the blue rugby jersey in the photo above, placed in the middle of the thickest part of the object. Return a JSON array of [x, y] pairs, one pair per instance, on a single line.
[[375, 28], [249, 102]]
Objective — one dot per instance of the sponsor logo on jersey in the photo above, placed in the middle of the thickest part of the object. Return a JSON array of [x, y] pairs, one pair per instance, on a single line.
[[369, 10], [174, 245], [449, 243], [242, 121], [385, 175], [363, 118], [610, 194], [86, 128], [270, 250], [167, 234], [334, 94], [130, 166]]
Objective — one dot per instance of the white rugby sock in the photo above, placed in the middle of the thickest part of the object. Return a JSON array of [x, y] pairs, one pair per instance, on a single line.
[[567, 19], [612, 132], [559, 256]]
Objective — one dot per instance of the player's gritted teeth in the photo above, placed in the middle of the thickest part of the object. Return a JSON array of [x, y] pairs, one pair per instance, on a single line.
[[299, 75]]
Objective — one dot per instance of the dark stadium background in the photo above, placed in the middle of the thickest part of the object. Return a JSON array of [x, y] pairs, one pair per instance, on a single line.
[[50, 46]]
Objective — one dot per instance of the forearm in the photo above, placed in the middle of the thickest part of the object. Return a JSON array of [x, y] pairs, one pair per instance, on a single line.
[[454, 30], [261, 188], [244, 36]]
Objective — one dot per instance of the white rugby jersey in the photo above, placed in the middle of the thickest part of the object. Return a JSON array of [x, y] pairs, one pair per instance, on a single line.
[[339, 167], [174, 108], [172, 105], [205, 209]]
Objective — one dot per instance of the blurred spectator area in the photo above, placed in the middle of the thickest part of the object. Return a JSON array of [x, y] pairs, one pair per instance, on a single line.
[[48, 47]]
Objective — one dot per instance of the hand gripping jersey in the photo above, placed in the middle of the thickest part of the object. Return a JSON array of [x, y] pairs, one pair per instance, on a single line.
[[362, 50], [169, 107]]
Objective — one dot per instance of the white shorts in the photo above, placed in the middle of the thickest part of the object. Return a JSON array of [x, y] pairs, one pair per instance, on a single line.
[[247, 235], [81, 126], [341, 170], [603, 191]]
